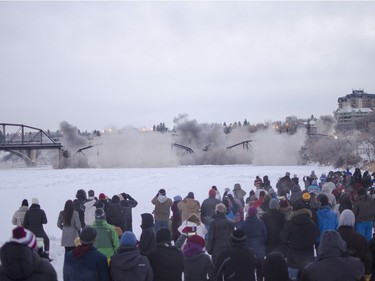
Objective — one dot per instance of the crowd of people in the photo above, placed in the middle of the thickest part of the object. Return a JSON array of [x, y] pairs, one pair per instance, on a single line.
[[292, 231]]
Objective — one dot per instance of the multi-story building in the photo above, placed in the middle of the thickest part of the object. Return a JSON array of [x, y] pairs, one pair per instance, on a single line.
[[357, 99], [353, 107]]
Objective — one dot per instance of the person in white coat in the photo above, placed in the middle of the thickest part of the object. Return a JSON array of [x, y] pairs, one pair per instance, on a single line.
[[90, 208]]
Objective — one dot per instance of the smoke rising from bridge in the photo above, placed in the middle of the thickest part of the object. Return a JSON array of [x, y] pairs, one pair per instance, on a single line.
[[129, 147], [133, 148]]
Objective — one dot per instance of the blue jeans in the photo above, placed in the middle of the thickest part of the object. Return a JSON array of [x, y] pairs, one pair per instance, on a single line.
[[364, 228], [293, 273], [161, 224]]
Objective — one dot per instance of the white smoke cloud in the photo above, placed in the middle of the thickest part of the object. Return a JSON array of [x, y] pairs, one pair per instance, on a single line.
[[130, 147]]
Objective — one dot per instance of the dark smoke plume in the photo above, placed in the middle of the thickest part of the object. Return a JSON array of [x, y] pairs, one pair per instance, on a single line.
[[72, 141]]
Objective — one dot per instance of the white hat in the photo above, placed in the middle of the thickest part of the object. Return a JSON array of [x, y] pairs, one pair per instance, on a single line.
[[35, 201]]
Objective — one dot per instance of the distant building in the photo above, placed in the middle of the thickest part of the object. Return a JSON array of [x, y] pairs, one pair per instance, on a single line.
[[353, 107], [346, 116], [357, 99]]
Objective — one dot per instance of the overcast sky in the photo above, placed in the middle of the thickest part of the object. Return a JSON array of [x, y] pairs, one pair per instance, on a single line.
[[101, 64]]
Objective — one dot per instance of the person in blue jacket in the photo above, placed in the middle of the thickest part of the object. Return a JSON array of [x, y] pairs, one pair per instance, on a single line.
[[327, 219]]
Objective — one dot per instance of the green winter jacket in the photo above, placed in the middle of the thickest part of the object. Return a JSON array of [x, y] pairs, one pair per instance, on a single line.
[[106, 241]]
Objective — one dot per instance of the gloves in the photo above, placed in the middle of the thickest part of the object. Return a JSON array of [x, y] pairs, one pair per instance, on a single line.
[[189, 230], [186, 229], [367, 277]]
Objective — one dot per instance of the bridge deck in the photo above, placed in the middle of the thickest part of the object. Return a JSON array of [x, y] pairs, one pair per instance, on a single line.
[[29, 146]]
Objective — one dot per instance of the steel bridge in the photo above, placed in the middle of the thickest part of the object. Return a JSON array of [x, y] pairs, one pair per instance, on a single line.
[[19, 138]]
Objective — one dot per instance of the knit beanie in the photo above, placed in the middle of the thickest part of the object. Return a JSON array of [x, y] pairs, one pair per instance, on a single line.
[[24, 236], [177, 198], [162, 192], [306, 196], [238, 236], [99, 213], [163, 235], [35, 201], [87, 235], [197, 240], [102, 196], [347, 218], [252, 211], [274, 204], [128, 239]]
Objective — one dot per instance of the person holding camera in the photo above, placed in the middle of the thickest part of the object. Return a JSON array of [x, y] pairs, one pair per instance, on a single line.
[[128, 203], [162, 209]]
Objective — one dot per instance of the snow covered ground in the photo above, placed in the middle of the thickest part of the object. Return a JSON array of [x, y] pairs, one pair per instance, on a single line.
[[53, 187]]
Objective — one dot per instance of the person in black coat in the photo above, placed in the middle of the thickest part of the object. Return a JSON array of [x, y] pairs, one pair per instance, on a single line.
[[34, 219], [128, 263], [274, 221], [275, 268], [166, 260], [256, 233], [176, 218], [20, 261], [103, 202], [299, 234], [219, 233], [284, 185], [147, 241], [236, 262], [128, 203], [115, 214], [79, 206]]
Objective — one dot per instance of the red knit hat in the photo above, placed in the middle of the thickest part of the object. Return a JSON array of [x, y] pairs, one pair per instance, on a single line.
[[102, 196], [24, 237], [196, 239]]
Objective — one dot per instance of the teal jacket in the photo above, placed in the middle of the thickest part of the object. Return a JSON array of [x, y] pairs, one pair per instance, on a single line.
[[106, 241]]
